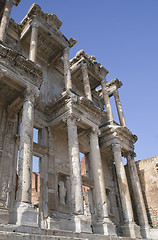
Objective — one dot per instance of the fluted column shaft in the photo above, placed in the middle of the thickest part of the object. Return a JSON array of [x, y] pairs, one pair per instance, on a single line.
[[33, 43], [123, 184], [110, 117], [87, 88], [25, 150], [67, 73], [75, 168], [119, 108], [5, 19], [98, 177], [138, 196]]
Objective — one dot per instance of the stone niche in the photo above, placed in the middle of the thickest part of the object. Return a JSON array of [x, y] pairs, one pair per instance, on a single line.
[[63, 193]]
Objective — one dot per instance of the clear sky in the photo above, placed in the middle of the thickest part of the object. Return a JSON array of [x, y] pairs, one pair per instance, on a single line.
[[123, 36]]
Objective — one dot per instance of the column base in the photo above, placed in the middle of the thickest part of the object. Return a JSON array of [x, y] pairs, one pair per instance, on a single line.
[[23, 214], [145, 232], [131, 230], [79, 223], [105, 227]]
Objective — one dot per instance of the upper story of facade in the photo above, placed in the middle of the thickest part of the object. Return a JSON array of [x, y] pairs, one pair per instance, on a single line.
[[37, 54]]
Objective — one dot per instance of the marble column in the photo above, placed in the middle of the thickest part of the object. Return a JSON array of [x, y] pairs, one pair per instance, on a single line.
[[25, 150], [23, 213], [75, 168], [119, 108], [101, 223], [110, 117], [33, 43], [67, 73], [129, 229], [138, 197], [5, 19], [87, 88]]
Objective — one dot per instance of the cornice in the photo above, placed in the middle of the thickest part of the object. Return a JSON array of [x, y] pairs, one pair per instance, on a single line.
[[15, 26], [115, 82], [90, 107], [118, 132], [81, 56], [22, 63], [35, 10]]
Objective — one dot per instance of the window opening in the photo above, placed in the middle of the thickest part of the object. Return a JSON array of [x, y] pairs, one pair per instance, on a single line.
[[35, 182], [35, 135]]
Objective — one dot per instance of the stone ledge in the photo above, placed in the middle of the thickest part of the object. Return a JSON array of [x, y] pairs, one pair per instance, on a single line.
[[23, 63]]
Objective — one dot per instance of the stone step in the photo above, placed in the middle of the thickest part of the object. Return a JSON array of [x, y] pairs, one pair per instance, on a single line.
[[27, 236], [11, 232], [55, 233]]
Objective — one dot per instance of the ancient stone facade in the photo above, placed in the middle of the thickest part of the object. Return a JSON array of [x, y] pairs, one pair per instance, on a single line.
[[68, 103]]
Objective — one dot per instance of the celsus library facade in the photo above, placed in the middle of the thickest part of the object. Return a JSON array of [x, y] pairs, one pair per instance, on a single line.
[[66, 102]]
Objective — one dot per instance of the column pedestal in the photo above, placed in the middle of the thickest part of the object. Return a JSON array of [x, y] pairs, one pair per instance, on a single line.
[[79, 223], [23, 214], [131, 230]]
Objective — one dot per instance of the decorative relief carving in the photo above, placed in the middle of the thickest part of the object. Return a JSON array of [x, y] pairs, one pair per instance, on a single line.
[[23, 63]]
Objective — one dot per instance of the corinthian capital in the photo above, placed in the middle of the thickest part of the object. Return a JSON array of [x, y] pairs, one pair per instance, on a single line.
[[116, 147]]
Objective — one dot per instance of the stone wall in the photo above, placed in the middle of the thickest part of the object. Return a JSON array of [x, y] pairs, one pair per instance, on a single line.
[[148, 175]]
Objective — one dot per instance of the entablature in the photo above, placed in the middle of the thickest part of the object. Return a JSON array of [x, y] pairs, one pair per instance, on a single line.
[[114, 133], [96, 71], [17, 67], [51, 41], [111, 87], [70, 104]]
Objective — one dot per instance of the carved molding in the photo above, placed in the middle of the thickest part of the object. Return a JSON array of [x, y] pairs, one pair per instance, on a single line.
[[91, 62], [21, 62]]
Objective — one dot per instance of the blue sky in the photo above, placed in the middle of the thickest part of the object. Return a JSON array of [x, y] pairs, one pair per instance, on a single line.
[[123, 36]]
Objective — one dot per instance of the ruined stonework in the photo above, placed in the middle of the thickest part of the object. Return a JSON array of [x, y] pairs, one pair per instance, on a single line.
[[148, 175], [67, 102]]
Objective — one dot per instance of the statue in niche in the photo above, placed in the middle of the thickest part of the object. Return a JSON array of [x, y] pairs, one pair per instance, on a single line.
[[62, 193]]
